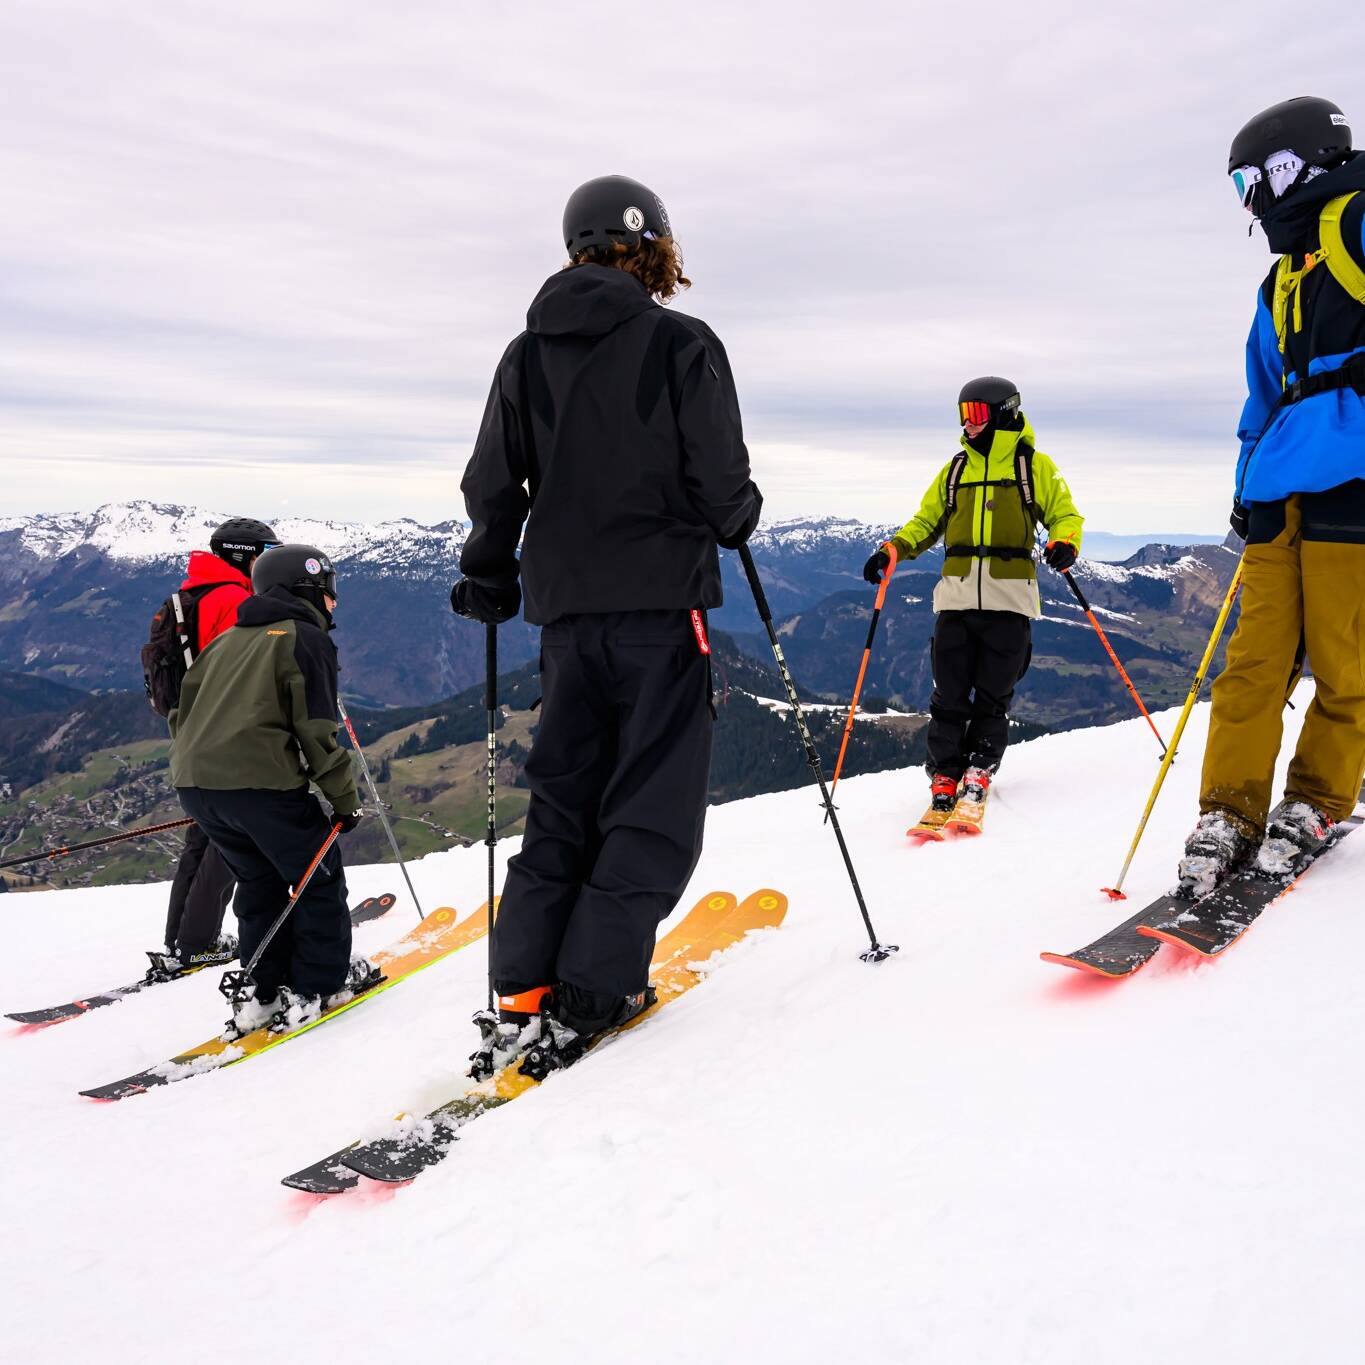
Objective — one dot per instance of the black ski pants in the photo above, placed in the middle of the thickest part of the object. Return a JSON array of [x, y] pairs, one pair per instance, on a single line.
[[978, 658], [267, 839], [618, 775], [200, 892]]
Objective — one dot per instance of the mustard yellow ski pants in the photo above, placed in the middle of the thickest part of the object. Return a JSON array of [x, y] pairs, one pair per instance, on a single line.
[[1300, 588]]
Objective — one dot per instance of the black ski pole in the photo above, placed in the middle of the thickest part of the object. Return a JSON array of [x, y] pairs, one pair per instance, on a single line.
[[490, 701], [378, 804], [54, 853], [293, 900], [878, 952]]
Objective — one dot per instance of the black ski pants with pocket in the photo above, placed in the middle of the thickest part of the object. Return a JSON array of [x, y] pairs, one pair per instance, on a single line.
[[200, 891], [618, 774], [978, 658], [268, 839]]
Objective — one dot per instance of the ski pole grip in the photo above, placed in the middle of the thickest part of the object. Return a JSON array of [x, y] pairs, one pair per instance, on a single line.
[[1076, 589], [755, 586]]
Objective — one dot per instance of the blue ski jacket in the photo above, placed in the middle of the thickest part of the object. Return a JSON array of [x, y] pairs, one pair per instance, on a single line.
[[1319, 442]]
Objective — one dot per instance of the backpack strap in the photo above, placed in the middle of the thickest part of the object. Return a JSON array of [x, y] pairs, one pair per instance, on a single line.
[[1023, 473], [955, 467], [181, 630], [1333, 251]]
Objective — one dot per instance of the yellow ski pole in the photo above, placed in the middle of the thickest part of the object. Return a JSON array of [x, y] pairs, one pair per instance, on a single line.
[[1116, 892]]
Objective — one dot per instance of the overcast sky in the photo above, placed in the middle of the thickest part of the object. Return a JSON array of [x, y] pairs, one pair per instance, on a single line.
[[265, 256]]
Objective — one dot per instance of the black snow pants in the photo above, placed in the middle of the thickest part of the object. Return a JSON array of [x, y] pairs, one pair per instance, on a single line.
[[267, 839], [618, 774], [200, 892], [978, 658]]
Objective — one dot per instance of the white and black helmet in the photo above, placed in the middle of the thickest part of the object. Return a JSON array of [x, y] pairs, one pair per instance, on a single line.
[[613, 209]]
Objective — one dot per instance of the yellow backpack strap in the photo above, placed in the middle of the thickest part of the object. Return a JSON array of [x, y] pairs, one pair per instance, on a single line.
[[1286, 283], [1334, 252]]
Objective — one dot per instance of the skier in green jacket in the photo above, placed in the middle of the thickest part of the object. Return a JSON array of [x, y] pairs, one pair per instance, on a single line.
[[257, 720], [986, 504]]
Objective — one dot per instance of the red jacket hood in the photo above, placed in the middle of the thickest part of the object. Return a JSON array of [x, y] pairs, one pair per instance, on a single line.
[[208, 568]]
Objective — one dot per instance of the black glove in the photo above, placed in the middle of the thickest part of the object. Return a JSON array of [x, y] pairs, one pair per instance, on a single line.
[[733, 542], [347, 822], [1060, 554], [479, 602], [875, 567], [1240, 520]]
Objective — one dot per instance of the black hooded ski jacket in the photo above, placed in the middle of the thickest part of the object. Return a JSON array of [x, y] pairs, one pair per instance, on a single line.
[[613, 423]]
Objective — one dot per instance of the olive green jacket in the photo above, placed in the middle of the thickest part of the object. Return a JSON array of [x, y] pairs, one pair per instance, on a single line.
[[990, 514], [258, 707]]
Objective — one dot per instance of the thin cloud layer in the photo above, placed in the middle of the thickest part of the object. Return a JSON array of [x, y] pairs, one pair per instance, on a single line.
[[278, 248]]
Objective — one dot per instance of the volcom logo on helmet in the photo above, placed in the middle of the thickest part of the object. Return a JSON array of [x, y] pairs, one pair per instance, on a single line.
[[633, 219], [312, 565]]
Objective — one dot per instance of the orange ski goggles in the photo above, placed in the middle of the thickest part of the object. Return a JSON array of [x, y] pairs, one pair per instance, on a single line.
[[977, 414]]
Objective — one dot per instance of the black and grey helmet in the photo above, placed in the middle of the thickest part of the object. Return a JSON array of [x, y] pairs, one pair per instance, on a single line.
[[988, 399], [295, 567], [240, 539], [612, 209]]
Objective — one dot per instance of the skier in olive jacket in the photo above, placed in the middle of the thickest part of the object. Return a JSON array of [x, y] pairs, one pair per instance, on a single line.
[[257, 720], [613, 432], [219, 581], [986, 504]]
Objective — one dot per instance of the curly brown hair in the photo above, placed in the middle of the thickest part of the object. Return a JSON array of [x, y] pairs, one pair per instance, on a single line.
[[655, 261]]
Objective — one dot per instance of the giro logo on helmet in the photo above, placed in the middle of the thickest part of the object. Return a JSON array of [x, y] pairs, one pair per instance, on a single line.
[[633, 219]]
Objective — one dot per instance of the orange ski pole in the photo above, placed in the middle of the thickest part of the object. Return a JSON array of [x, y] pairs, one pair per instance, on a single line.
[[862, 668], [1109, 649]]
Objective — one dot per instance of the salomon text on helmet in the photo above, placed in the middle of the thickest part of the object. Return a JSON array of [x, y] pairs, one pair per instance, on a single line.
[[240, 539]]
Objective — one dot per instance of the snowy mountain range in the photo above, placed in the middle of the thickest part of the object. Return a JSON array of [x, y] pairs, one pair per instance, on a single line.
[[77, 590]]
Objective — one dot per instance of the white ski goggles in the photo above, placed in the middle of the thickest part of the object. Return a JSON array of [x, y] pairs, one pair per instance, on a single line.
[[1282, 170]]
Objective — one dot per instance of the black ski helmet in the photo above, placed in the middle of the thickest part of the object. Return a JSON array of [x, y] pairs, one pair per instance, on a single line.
[[296, 567], [1314, 129], [240, 539], [995, 397], [610, 209]]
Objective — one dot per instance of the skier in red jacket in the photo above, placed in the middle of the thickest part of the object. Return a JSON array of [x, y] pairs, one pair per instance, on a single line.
[[217, 582]]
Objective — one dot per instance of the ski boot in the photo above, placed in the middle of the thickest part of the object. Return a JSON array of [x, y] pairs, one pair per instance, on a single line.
[[297, 1010], [1221, 842], [976, 783], [1294, 829], [361, 976], [943, 793], [294, 1011], [168, 964], [506, 1034], [561, 1044], [253, 1006]]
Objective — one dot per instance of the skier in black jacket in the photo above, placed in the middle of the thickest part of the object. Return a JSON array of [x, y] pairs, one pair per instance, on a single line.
[[613, 433]]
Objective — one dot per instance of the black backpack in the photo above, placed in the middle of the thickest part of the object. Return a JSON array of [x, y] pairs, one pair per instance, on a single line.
[[172, 645]]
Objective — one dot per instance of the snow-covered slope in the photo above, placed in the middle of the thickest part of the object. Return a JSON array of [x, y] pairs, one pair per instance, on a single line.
[[963, 1155]]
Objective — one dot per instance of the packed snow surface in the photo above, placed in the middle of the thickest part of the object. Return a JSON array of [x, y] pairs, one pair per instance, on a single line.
[[961, 1155]]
